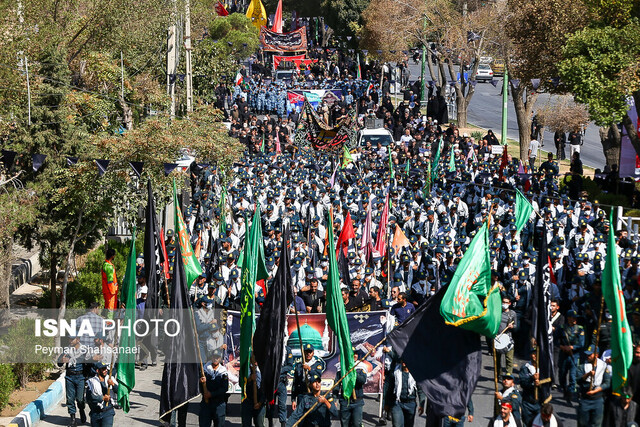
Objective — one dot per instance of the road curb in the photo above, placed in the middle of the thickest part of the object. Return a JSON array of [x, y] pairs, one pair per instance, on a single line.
[[37, 410]]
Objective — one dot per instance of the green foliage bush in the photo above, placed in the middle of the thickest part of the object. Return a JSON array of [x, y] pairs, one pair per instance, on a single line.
[[18, 345], [7, 384]]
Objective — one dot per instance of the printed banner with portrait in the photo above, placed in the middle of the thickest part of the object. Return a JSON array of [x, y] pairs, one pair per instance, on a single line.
[[367, 329]]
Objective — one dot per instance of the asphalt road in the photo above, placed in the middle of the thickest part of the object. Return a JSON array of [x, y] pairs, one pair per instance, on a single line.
[[145, 403], [485, 111]]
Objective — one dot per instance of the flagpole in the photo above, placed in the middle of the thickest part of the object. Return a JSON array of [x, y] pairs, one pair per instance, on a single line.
[[306, 376], [495, 379], [598, 332], [113, 359], [195, 331], [340, 380]]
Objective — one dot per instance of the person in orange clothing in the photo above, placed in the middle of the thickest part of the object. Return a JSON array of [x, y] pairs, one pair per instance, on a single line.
[[109, 281]]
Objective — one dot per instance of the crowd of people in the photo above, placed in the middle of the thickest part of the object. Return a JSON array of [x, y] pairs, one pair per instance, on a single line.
[[438, 187]]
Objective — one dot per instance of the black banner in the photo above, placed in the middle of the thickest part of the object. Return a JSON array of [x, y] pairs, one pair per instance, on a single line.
[[314, 132], [285, 42]]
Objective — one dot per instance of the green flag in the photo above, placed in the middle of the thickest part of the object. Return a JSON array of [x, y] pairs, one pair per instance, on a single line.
[[621, 343], [391, 165], [427, 181], [358, 72], [452, 161], [222, 205], [192, 267], [406, 169], [346, 157], [523, 210], [253, 269], [436, 162], [262, 146], [126, 371], [337, 315], [470, 301]]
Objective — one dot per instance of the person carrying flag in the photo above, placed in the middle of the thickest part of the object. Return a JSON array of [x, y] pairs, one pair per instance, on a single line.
[[213, 407], [321, 414], [351, 407], [102, 390]]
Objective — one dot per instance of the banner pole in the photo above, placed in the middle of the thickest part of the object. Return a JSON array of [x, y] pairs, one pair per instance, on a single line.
[[306, 376], [340, 380], [598, 333]]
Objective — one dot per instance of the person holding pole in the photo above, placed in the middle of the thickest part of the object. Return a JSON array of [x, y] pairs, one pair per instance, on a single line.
[[529, 382], [253, 408], [310, 364], [351, 406], [102, 392], [510, 393], [320, 415], [213, 407], [593, 381]]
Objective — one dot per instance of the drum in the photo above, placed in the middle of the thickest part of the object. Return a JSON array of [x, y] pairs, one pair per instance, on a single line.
[[503, 343]]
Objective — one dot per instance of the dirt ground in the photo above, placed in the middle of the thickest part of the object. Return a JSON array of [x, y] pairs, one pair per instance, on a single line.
[[20, 398]]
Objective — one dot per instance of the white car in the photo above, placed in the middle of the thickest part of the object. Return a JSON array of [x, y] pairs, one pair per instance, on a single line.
[[381, 135], [185, 159], [485, 73]]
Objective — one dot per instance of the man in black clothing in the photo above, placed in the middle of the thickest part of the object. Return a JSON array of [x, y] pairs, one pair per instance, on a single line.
[[312, 297], [622, 411], [560, 139]]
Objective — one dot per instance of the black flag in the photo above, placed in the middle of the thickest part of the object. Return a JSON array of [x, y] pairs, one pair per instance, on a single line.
[[343, 268], [153, 269], [137, 167], [102, 166], [37, 161], [153, 256], [268, 340], [169, 167], [444, 360], [541, 318], [180, 379]]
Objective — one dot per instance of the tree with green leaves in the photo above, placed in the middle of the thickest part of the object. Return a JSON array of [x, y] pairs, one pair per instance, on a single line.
[[532, 51], [600, 67], [231, 39]]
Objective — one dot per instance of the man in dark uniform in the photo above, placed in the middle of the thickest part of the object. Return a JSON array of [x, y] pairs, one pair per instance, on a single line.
[[303, 369], [321, 414], [351, 406], [572, 344], [281, 392], [593, 382], [529, 379], [511, 394], [74, 379], [402, 309], [253, 408], [213, 407], [102, 392]]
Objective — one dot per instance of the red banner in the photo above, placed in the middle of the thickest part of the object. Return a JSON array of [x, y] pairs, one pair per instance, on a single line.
[[277, 59], [221, 10]]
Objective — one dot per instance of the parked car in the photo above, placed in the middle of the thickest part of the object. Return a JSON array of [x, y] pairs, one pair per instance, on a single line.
[[498, 67], [381, 135], [485, 73]]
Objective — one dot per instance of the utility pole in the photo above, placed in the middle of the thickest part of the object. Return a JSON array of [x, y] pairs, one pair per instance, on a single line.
[[505, 99], [187, 46], [424, 53], [26, 67], [171, 67]]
